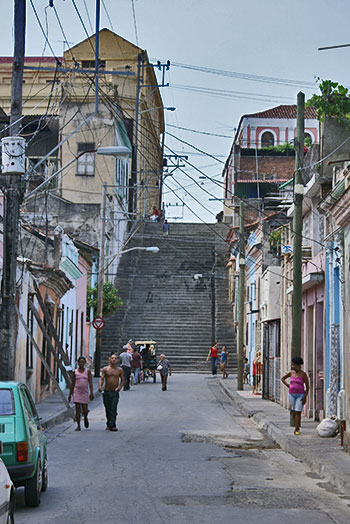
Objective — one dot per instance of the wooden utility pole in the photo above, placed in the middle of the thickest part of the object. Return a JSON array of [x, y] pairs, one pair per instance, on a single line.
[[241, 288], [10, 186], [298, 228], [101, 275]]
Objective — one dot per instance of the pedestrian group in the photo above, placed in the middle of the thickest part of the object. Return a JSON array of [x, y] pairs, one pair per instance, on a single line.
[[113, 379]]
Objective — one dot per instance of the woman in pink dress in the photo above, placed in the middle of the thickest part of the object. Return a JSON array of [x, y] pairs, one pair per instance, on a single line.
[[81, 382]]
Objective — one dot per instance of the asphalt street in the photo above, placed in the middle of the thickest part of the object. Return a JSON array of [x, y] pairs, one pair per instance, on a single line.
[[183, 455]]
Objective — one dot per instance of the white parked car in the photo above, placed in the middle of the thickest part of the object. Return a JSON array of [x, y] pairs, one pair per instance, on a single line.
[[7, 494]]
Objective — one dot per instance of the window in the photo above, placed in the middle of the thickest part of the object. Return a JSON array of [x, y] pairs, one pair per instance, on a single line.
[[29, 402], [29, 342], [307, 139], [90, 64], [86, 162], [267, 139], [7, 406]]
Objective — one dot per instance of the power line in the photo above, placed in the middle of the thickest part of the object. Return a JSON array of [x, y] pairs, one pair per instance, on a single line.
[[43, 32], [247, 76], [135, 26], [82, 23], [107, 14], [88, 16], [230, 94], [200, 132]]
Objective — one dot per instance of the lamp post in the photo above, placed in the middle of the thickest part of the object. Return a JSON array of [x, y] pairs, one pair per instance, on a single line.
[[118, 152]]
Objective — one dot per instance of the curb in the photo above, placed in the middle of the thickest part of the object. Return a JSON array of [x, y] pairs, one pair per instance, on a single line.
[[61, 415], [324, 471]]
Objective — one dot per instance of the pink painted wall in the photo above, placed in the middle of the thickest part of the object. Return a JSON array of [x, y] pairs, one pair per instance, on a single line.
[[81, 288], [1, 238]]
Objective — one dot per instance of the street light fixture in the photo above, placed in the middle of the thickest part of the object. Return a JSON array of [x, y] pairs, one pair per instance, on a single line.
[[150, 249], [155, 108], [117, 151]]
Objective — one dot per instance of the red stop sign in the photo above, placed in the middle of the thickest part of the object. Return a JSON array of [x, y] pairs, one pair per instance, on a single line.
[[98, 322]]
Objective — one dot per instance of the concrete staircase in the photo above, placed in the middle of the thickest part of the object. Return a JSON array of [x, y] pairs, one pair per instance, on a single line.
[[164, 302]]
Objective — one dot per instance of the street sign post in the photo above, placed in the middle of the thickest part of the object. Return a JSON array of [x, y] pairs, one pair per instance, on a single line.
[[98, 323]]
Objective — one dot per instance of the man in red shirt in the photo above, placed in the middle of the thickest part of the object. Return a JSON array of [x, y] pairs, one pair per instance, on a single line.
[[155, 214], [136, 365], [213, 354]]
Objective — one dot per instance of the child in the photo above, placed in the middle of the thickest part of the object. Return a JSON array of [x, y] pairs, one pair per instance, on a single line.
[[298, 390], [224, 362], [245, 371]]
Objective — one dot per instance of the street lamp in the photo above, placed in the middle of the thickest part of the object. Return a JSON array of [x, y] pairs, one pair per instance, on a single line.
[[155, 108], [150, 249], [117, 152]]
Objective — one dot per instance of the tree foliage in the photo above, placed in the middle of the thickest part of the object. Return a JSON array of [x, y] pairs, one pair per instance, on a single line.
[[282, 148], [333, 102], [111, 300]]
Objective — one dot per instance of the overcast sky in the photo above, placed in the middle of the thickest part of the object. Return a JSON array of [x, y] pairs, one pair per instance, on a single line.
[[269, 38]]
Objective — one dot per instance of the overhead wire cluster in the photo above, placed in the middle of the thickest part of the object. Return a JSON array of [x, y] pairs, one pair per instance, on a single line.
[[107, 102]]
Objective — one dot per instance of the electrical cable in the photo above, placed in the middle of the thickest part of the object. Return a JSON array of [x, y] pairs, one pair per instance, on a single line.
[[135, 26], [107, 14], [82, 23], [43, 32], [200, 132], [88, 16], [247, 76]]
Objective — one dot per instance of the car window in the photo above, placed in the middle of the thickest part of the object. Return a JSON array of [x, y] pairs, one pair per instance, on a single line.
[[31, 402], [26, 404], [7, 405]]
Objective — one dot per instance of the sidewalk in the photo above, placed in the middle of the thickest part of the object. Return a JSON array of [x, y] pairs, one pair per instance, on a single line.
[[325, 457], [52, 410]]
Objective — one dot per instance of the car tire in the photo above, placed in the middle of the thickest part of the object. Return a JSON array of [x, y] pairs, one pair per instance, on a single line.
[[10, 516], [32, 488], [45, 481]]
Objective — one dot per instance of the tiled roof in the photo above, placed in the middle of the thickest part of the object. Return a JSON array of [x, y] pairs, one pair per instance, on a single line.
[[283, 111]]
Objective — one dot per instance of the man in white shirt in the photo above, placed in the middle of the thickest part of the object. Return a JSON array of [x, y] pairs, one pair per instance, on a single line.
[[126, 359]]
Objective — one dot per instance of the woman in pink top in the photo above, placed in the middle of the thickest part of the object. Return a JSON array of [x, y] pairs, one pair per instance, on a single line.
[[81, 382], [298, 390]]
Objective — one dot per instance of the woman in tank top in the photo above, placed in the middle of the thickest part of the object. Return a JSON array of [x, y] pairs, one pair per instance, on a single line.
[[81, 382], [298, 390]]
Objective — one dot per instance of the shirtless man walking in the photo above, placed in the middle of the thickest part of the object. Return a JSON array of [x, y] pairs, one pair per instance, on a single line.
[[113, 377]]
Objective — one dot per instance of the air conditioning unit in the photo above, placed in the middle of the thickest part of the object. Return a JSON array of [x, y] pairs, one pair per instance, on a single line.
[[306, 252]]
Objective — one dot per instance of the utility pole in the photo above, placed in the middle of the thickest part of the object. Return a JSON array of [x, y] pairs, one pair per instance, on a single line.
[[97, 50], [11, 190], [101, 275], [298, 228], [241, 289]]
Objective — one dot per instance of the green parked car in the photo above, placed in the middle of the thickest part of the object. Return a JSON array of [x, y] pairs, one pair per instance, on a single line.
[[24, 444]]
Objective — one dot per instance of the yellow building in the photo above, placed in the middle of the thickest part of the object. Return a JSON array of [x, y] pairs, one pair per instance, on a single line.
[[71, 96]]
